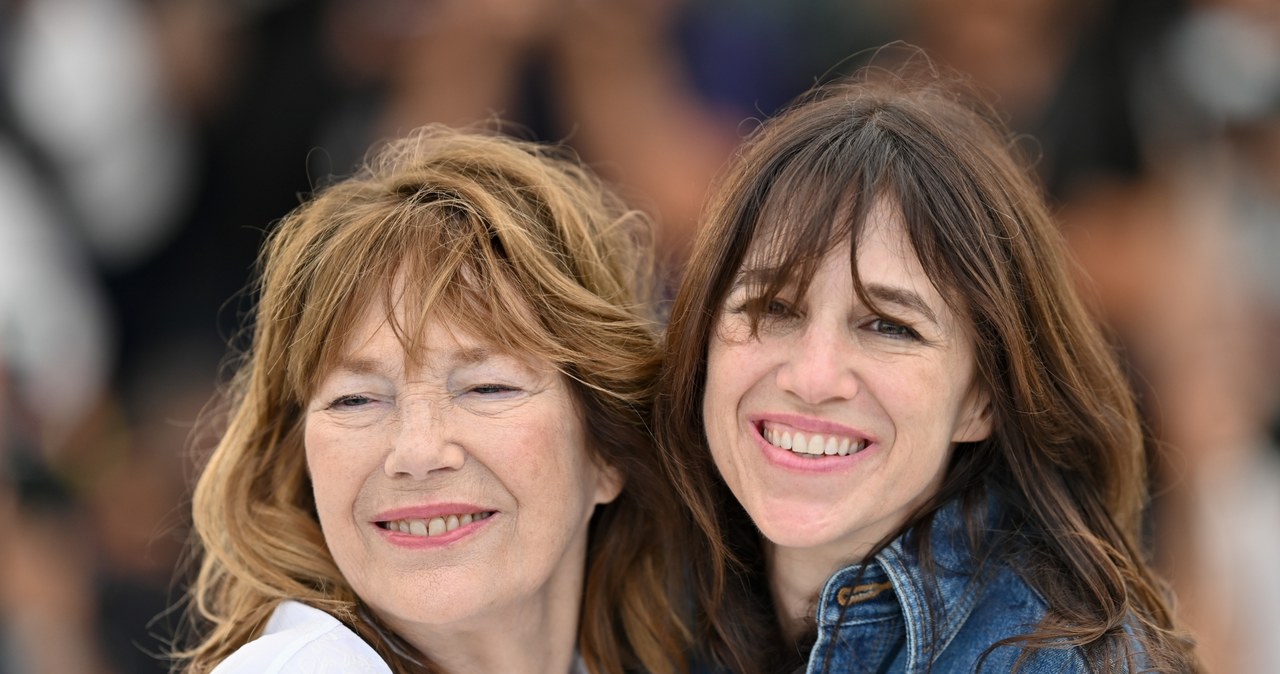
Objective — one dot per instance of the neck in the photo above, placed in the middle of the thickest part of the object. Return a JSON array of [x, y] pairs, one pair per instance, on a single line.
[[796, 576], [535, 634], [528, 645]]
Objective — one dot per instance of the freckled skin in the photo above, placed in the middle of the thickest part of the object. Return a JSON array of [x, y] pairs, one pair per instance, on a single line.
[[474, 426]]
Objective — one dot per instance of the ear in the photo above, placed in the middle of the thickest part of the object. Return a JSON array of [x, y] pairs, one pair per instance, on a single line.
[[609, 482], [974, 422]]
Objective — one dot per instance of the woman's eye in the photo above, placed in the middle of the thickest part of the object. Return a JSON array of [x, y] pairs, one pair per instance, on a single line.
[[767, 308], [890, 329], [492, 389], [777, 307], [350, 401]]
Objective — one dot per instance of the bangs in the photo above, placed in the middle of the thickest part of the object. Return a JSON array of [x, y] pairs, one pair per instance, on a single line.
[[479, 299], [815, 200], [803, 194], [435, 259]]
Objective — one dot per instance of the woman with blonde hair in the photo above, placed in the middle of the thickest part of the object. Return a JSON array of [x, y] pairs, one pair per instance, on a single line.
[[436, 458]]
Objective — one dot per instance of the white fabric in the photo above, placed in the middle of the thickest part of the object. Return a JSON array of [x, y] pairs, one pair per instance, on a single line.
[[298, 639]]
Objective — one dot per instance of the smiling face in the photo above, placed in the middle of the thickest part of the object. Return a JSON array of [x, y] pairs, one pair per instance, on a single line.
[[834, 422], [454, 493]]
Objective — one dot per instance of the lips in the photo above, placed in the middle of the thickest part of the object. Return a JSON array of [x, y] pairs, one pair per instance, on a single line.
[[810, 444]]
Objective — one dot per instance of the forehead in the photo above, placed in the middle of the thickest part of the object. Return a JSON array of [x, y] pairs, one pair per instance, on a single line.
[[875, 251], [784, 250], [441, 348], [423, 336], [398, 321], [885, 252]]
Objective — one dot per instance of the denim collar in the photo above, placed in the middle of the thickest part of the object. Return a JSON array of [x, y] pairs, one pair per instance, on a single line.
[[892, 586]]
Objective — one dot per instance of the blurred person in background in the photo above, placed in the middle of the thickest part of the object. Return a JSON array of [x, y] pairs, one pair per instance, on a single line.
[[54, 364], [604, 77], [92, 167], [1183, 261]]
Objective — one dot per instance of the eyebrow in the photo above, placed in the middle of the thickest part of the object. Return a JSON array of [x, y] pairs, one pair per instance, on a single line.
[[879, 292], [472, 355], [901, 297], [748, 276], [360, 366], [465, 356]]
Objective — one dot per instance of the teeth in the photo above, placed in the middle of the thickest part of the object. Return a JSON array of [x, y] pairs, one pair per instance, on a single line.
[[814, 444], [434, 526]]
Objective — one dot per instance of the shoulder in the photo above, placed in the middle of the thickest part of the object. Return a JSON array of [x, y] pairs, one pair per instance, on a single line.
[[1009, 607], [1006, 594], [299, 638]]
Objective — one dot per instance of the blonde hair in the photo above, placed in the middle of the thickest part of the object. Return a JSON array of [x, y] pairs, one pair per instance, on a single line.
[[515, 242]]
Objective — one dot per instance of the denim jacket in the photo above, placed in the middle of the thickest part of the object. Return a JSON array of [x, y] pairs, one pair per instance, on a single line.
[[881, 621]]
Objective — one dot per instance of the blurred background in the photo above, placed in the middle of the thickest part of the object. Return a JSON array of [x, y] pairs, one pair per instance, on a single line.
[[146, 146]]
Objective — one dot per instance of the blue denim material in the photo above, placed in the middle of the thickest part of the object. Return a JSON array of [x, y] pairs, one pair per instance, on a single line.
[[881, 620]]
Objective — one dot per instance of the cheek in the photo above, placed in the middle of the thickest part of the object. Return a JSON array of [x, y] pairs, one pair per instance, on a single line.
[[316, 452], [727, 363], [338, 462], [598, 483], [968, 402], [730, 375], [925, 417], [914, 406], [546, 464], [715, 405], [317, 444]]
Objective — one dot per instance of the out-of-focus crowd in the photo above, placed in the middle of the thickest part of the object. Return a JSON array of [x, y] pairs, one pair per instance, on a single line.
[[147, 145]]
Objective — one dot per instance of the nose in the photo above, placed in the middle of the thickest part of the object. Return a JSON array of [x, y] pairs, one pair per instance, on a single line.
[[423, 442], [819, 365]]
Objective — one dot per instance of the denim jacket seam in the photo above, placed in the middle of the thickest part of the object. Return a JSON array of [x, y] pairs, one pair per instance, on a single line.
[[908, 600]]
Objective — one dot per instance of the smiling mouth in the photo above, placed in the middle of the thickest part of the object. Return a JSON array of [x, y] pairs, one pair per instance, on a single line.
[[435, 526], [811, 445]]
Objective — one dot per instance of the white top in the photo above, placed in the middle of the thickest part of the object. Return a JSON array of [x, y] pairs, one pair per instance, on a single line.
[[298, 639]]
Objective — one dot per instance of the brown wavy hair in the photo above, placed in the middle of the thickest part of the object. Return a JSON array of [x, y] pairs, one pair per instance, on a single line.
[[1066, 451], [477, 225]]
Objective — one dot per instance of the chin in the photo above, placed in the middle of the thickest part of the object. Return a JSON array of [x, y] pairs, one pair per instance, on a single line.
[[795, 527], [430, 612], [797, 540]]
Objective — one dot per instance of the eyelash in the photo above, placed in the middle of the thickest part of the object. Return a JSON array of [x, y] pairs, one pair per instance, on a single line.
[[347, 400], [776, 308], [779, 308], [491, 389], [758, 306], [895, 330], [352, 401]]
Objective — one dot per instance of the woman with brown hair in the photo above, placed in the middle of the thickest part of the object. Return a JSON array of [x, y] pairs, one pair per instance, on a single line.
[[905, 445], [437, 457]]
